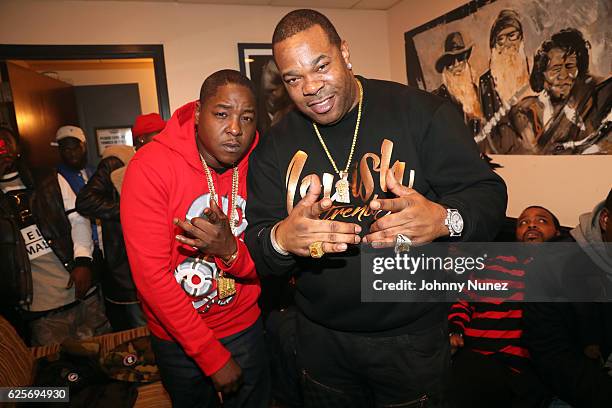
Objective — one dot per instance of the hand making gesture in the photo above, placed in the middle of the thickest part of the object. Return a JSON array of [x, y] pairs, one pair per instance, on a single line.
[[302, 233], [211, 234], [411, 215]]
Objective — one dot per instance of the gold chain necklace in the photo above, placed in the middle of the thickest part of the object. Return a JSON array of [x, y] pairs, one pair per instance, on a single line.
[[233, 216], [342, 186], [226, 285]]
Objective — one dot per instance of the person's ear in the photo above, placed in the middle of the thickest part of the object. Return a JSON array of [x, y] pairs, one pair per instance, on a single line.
[[346, 55], [197, 112], [603, 219]]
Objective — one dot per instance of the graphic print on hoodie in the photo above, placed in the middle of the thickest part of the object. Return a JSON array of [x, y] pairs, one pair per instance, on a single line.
[[198, 275]]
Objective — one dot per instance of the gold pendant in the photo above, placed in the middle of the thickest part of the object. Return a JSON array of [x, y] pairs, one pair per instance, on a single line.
[[342, 189], [226, 287]]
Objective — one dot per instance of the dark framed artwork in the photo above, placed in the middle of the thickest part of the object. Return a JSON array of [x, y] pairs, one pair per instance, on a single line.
[[257, 63], [252, 57], [529, 77], [110, 136]]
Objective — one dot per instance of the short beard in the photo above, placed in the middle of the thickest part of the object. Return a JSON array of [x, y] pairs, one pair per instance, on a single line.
[[509, 70], [463, 89]]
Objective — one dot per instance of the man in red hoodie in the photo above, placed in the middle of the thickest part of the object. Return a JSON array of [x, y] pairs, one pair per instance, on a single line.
[[182, 211]]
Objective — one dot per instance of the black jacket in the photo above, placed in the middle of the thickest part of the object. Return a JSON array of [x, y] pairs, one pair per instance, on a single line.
[[556, 333], [100, 199], [400, 126], [47, 207]]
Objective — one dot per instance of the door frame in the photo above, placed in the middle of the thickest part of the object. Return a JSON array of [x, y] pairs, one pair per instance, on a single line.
[[74, 52]]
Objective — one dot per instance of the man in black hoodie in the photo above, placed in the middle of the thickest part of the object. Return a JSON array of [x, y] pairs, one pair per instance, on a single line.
[[570, 342], [415, 161]]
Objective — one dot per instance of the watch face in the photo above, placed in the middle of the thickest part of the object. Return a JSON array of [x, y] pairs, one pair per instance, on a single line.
[[456, 222]]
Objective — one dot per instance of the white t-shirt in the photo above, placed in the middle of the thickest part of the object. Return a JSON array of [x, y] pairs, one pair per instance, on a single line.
[[49, 276]]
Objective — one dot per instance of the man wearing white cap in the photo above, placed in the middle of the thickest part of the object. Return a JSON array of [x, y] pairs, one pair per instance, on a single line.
[[73, 174], [58, 300], [73, 167], [73, 153]]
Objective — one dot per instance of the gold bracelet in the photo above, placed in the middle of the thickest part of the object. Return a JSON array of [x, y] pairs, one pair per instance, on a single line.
[[232, 258]]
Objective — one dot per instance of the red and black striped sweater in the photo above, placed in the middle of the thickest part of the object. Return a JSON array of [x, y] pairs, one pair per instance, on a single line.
[[493, 326]]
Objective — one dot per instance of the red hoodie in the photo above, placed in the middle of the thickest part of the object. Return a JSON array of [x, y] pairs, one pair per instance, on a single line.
[[165, 180]]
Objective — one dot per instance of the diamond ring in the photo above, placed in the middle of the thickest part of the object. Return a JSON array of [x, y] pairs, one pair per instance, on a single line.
[[402, 243]]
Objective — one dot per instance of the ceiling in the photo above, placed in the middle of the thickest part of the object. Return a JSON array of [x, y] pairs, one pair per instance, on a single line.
[[83, 65], [340, 4]]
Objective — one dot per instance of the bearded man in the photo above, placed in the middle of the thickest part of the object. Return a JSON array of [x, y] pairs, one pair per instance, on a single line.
[[458, 80], [508, 72]]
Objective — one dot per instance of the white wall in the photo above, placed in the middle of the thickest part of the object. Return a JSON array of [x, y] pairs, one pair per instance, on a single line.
[[566, 185], [198, 39]]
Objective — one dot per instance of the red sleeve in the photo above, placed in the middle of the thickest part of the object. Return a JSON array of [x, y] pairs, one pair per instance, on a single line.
[[148, 238], [243, 266], [459, 317]]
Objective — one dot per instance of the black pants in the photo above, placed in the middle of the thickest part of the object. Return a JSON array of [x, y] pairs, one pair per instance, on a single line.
[[481, 381], [340, 369], [189, 387], [280, 338]]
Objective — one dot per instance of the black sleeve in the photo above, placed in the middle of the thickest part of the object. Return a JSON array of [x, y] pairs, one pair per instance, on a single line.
[[99, 198], [591, 323], [460, 178], [265, 207], [548, 333]]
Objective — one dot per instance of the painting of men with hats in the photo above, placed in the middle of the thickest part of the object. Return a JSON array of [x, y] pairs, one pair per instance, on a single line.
[[508, 70], [458, 80], [485, 61]]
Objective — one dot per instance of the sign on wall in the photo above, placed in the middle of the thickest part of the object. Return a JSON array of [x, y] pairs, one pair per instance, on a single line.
[[113, 136]]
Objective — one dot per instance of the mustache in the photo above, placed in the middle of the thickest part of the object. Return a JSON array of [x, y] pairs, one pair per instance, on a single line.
[[318, 99]]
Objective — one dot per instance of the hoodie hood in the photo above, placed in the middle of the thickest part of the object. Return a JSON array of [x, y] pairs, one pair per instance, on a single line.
[[179, 135], [587, 233]]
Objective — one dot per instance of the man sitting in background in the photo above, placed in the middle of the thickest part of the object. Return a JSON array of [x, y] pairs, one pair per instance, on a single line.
[[570, 342], [537, 224], [57, 299], [100, 199]]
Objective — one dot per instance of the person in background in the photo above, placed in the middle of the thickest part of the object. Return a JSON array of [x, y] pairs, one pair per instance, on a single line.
[[571, 342], [182, 212], [100, 199], [57, 295], [145, 128], [537, 224], [73, 166], [273, 100], [491, 363]]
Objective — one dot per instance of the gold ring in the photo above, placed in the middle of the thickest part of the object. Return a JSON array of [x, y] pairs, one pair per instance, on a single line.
[[316, 249]]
